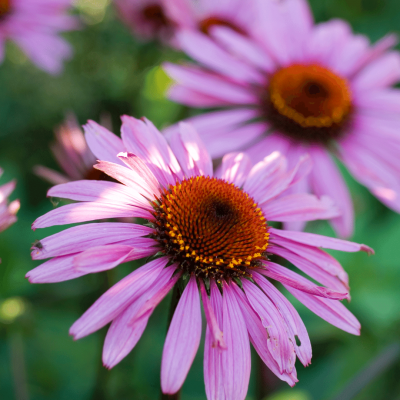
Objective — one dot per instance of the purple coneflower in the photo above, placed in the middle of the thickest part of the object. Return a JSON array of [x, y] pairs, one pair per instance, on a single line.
[[297, 87], [72, 154], [34, 26], [211, 231], [7, 211]]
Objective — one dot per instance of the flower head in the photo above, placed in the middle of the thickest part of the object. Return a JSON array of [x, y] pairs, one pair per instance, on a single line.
[[34, 26], [7, 211], [160, 19], [297, 87], [213, 232], [72, 154]]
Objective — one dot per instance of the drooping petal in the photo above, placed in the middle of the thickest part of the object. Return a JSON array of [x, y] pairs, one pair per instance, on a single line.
[[236, 359], [117, 298], [295, 325], [82, 237], [217, 336], [279, 345], [260, 339], [122, 335], [331, 311], [313, 239], [290, 278], [183, 339]]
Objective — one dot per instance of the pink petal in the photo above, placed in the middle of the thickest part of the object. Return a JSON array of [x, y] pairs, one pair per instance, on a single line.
[[103, 143], [382, 72], [208, 53], [300, 207], [279, 345], [317, 256], [183, 339], [190, 151], [57, 269], [82, 237], [137, 186], [122, 335], [259, 338], [386, 101], [88, 211], [107, 192], [290, 278], [213, 376], [116, 299], [235, 168], [215, 331], [244, 48], [312, 239], [102, 258], [209, 84], [236, 361], [141, 169], [54, 177], [294, 323], [144, 140], [313, 270], [327, 180], [331, 311]]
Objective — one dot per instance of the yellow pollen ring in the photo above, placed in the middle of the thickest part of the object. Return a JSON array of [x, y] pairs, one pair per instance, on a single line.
[[310, 95]]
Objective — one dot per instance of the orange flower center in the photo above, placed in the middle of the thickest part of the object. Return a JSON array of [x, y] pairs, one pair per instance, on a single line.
[[210, 227], [206, 24], [309, 101], [5, 6], [154, 14]]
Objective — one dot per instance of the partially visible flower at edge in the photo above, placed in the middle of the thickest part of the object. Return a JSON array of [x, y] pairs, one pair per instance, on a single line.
[[160, 19], [8, 211], [209, 230], [34, 26], [297, 87]]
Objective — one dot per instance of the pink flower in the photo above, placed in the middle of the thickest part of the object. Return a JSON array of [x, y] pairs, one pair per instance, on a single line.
[[160, 19], [210, 230], [34, 26], [146, 18], [73, 155], [298, 87], [7, 211]]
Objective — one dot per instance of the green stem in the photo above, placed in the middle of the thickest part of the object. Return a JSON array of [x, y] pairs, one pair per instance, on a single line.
[[176, 295]]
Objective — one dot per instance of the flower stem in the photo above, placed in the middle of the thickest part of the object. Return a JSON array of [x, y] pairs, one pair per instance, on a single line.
[[176, 295]]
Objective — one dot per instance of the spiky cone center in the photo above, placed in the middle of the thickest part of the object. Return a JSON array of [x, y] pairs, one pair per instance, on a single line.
[[206, 24], [5, 7], [211, 228], [309, 102]]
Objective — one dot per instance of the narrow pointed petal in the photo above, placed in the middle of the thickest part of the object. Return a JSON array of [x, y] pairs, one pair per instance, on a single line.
[[122, 335], [292, 318], [235, 168], [215, 331], [182, 340], [117, 298], [260, 339], [313, 239], [236, 359]]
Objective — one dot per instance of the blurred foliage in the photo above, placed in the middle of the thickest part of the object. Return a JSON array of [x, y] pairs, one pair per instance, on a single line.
[[112, 74]]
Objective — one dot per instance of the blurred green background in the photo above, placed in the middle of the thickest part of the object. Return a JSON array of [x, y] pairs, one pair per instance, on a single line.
[[112, 73]]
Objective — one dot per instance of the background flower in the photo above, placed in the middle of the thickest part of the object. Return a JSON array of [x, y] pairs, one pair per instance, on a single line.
[[7, 211], [34, 26], [297, 87]]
